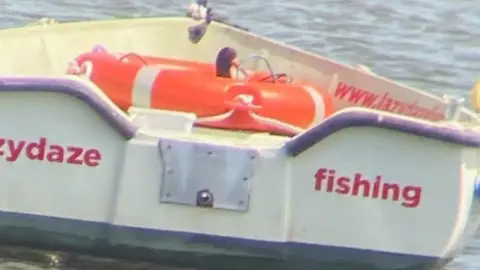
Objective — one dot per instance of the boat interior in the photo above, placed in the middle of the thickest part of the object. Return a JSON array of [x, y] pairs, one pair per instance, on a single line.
[[181, 125], [46, 49]]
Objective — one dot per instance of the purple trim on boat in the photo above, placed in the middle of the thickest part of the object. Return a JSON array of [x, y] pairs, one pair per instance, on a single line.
[[75, 89], [348, 119]]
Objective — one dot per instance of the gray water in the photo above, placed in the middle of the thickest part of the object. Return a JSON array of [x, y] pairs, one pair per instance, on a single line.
[[429, 44]]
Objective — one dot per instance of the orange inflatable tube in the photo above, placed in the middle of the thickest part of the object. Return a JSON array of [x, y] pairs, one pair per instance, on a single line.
[[208, 69], [180, 85]]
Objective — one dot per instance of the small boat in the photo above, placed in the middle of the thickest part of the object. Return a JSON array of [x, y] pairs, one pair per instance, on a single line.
[[388, 179]]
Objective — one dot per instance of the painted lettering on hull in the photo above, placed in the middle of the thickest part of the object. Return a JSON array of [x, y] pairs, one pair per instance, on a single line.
[[358, 185], [385, 102], [41, 150]]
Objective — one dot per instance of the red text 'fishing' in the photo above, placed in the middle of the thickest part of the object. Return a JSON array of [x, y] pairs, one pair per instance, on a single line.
[[357, 185]]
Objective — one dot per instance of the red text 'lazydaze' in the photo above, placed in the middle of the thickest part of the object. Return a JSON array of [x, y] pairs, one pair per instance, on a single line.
[[41, 150], [385, 102], [327, 180]]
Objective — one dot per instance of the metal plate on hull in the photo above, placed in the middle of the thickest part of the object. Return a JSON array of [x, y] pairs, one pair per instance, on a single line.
[[207, 175]]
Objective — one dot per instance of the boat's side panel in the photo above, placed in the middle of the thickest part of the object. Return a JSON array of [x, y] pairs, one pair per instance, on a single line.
[[57, 157], [380, 190]]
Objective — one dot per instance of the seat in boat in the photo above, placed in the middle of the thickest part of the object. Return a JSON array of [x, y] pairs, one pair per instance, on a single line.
[[162, 120]]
